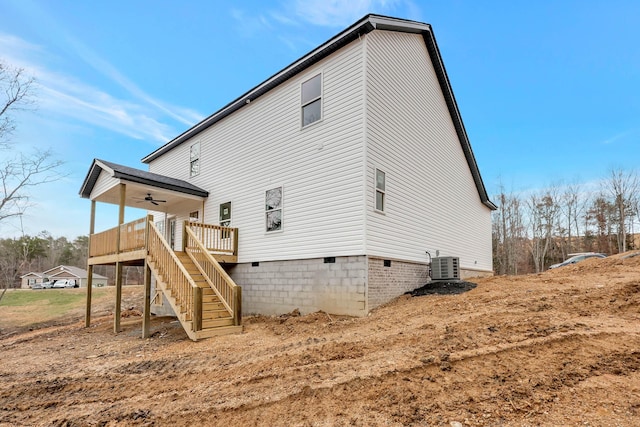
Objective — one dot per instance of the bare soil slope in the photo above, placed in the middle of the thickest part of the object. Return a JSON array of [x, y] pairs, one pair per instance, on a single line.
[[558, 348]]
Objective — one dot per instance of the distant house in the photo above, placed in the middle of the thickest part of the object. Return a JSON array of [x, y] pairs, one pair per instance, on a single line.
[[30, 279], [78, 275], [326, 187]]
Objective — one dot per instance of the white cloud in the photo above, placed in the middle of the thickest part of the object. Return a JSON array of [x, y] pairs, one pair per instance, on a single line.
[[141, 117], [295, 14], [617, 137], [339, 13]]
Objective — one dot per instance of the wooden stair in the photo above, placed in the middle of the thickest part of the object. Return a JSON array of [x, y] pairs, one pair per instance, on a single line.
[[216, 319]]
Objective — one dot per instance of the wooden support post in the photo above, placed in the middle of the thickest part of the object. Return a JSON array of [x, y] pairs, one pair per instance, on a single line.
[[185, 240], [116, 314], [123, 195], [92, 226], [197, 309], [237, 313], [146, 319], [117, 311]]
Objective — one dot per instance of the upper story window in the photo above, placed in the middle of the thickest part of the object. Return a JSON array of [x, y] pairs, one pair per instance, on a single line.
[[273, 209], [312, 100], [380, 190], [194, 159]]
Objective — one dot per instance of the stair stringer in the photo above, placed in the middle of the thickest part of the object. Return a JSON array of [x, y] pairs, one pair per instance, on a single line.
[[187, 325]]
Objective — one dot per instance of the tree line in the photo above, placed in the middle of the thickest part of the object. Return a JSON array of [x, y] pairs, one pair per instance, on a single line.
[[22, 255], [19, 256], [531, 231]]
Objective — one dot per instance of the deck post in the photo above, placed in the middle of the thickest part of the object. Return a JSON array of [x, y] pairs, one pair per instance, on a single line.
[[116, 315], [146, 319], [237, 313], [117, 311], [92, 226], [185, 238], [197, 309]]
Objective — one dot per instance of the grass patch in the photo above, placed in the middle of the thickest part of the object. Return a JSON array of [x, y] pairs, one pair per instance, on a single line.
[[27, 307], [57, 297]]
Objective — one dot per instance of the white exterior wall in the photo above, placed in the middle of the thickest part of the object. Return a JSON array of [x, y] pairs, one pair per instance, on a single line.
[[104, 182], [432, 203], [321, 167]]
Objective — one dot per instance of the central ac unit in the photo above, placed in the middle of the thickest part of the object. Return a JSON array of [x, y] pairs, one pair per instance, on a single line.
[[445, 268]]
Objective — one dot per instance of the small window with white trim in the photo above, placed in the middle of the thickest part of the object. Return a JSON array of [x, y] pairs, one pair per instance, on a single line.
[[273, 209], [380, 190], [194, 159], [311, 100]]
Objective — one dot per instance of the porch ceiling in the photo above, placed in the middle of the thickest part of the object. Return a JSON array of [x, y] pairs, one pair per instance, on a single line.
[[136, 193], [103, 180]]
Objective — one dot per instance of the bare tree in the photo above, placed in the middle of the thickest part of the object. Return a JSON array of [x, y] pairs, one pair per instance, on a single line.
[[17, 91], [508, 233], [19, 172], [542, 213], [623, 186], [572, 207]]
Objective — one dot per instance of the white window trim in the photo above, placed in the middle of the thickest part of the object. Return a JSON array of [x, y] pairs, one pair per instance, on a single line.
[[376, 191], [264, 200], [321, 98], [199, 159]]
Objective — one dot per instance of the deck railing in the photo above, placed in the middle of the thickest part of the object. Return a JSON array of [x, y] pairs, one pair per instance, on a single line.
[[174, 275], [104, 243], [131, 239], [224, 287], [132, 235], [215, 238]]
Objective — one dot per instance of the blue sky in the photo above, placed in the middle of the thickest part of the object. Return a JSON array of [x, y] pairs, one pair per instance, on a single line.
[[548, 91]]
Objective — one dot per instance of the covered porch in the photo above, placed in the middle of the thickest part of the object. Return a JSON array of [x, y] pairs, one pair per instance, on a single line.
[[171, 242]]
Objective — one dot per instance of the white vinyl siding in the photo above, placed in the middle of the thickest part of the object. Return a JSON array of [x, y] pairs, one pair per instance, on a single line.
[[104, 183], [435, 204], [320, 167]]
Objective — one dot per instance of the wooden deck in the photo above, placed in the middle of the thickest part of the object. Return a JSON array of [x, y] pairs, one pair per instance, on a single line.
[[202, 295], [127, 243]]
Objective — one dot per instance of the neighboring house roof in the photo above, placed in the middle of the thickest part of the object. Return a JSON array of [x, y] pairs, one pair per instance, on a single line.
[[69, 270], [31, 274], [365, 25], [138, 176]]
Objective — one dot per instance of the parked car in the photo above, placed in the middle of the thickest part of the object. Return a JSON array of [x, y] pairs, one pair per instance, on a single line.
[[47, 285], [577, 258], [64, 283], [36, 286]]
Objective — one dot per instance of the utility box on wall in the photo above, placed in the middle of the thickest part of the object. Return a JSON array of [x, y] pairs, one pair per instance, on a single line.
[[445, 268]]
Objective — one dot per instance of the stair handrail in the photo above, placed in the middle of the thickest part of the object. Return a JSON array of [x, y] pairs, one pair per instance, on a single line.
[[229, 293], [160, 251]]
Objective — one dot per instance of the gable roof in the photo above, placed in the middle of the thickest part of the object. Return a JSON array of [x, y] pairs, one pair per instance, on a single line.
[[363, 26], [138, 176], [31, 273], [70, 271]]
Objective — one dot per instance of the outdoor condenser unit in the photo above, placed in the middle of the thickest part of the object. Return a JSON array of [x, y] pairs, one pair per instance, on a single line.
[[445, 268]]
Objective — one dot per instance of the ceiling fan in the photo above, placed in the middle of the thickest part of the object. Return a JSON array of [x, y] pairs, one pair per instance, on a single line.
[[149, 198]]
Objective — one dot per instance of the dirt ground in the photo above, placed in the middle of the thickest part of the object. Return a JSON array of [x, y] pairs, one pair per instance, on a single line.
[[561, 348]]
